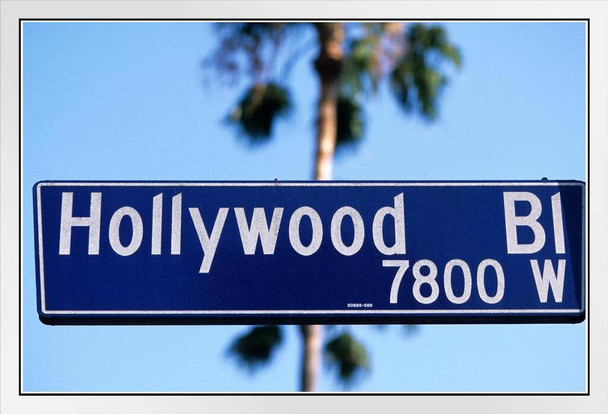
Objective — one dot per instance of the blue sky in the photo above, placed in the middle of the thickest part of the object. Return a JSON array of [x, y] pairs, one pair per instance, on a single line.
[[129, 101]]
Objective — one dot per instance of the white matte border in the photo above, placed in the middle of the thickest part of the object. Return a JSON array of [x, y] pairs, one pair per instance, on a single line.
[[12, 402]]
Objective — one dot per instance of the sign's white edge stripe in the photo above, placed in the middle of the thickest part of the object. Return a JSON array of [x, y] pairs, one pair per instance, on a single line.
[[40, 254], [584, 248], [306, 184], [283, 184], [314, 312]]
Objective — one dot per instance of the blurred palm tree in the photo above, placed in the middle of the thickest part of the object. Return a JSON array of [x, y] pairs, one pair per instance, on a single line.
[[352, 60]]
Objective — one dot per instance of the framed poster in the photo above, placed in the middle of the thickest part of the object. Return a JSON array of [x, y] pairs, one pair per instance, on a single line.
[[115, 92]]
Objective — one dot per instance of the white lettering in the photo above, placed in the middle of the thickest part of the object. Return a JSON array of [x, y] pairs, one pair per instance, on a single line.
[[176, 224], [136, 235], [548, 278], [428, 279], [208, 243], [377, 228], [512, 222], [294, 231], [157, 223], [259, 229], [558, 224], [68, 221], [447, 281], [336, 231], [481, 283], [403, 265]]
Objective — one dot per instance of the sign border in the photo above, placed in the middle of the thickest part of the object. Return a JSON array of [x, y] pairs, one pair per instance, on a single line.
[[293, 316]]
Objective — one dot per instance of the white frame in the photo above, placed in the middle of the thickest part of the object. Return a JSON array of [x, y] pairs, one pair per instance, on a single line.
[[12, 401]]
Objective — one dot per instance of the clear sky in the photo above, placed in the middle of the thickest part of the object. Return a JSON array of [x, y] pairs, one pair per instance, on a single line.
[[129, 101]]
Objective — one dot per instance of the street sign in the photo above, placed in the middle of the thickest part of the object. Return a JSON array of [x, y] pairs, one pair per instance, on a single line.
[[310, 252]]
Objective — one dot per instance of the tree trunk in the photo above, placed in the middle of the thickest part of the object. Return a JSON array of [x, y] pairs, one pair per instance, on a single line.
[[311, 356], [328, 65]]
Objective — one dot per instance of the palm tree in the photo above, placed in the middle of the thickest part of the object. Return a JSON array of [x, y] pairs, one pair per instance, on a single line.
[[352, 59]]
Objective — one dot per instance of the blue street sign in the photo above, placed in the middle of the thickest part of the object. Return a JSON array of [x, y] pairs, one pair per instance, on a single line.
[[310, 252]]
